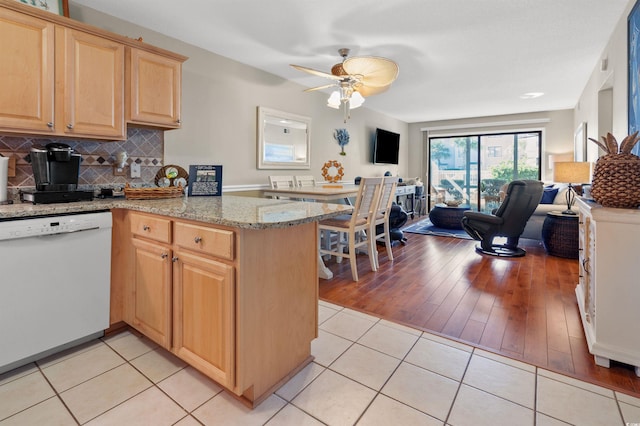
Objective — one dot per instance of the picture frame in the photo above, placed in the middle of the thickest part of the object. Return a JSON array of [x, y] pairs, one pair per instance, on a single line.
[[633, 81], [59, 7], [580, 143], [205, 180]]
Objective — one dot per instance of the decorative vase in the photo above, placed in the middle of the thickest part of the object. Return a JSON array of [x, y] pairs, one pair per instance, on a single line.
[[616, 176]]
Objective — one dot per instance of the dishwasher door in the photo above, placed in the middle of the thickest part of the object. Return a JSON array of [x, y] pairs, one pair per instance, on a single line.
[[54, 289]]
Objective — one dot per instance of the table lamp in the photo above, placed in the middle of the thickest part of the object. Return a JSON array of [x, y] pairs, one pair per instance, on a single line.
[[569, 172]]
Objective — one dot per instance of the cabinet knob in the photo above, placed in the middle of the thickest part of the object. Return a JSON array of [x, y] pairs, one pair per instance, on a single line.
[[70, 126], [179, 121], [145, 227], [197, 240], [164, 255], [174, 259], [50, 125]]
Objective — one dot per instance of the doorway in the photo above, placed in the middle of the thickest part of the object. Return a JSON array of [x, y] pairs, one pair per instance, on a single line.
[[472, 169]]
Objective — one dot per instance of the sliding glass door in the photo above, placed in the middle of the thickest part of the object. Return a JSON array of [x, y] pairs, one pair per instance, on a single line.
[[472, 169]]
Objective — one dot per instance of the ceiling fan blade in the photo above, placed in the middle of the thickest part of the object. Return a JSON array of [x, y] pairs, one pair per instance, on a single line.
[[367, 91], [316, 72], [375, 71], [326, 86]]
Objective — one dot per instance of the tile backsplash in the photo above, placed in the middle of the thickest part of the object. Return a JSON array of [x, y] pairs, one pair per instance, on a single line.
[[143, 146]]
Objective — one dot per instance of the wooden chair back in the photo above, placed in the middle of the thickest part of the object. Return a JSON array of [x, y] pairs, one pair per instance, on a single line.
[[301, 181], [279, 182]]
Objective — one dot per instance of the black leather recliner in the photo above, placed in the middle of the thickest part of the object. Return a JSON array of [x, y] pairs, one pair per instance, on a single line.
[[508, 220]]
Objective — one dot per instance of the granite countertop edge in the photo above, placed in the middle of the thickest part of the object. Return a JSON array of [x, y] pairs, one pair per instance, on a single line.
[[226, 210]]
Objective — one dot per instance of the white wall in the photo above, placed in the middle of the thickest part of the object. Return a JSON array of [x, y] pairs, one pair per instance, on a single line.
[[615, 78], [556, 127], [219, 110]]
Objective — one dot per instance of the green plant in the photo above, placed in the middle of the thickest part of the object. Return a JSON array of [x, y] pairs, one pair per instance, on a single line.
[[506, 171]]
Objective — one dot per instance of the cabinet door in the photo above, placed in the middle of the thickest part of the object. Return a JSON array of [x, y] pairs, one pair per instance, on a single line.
[[154, 86], [203, 317], [91, 77], [27, 73], [151, 310]]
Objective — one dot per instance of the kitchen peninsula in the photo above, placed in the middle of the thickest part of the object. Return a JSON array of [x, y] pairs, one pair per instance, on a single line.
[[229, 284]]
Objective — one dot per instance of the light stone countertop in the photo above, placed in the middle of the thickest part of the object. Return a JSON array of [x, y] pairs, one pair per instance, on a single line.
[[227, 210]]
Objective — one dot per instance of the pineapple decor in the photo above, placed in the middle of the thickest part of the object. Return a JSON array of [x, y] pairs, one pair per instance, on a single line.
[[616, 177]]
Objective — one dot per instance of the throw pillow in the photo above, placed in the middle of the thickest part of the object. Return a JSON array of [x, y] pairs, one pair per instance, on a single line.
[[548, 195]]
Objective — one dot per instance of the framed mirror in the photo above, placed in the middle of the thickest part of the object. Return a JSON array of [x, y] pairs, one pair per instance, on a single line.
[[284, 140]]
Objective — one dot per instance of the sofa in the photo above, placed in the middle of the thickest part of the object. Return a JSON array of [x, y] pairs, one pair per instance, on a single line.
[[554, 198]]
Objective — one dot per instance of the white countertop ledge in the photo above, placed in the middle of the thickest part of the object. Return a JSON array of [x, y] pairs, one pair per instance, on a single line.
[[226, 210]]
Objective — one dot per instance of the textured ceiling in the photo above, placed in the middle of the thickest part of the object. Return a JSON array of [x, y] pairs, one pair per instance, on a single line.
[[457, 58]]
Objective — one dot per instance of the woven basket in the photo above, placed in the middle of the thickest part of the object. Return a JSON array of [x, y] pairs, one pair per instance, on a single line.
[[152, 193], [616, 181]]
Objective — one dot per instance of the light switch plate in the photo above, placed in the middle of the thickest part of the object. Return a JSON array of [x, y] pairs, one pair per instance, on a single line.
[[135, 170]]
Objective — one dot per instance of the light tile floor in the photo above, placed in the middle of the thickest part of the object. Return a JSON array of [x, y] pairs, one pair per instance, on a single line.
[[366, 371]]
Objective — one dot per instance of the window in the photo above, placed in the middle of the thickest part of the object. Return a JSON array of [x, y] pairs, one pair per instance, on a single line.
[[473, 168], [494, 151]]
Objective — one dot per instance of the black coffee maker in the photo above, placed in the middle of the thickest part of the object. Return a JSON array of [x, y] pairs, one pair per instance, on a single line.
[[55, 171]]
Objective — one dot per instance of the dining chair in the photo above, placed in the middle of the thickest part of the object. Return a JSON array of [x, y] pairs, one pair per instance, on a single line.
[[279, 182], [387, 194], [301, 181], [356, 227]]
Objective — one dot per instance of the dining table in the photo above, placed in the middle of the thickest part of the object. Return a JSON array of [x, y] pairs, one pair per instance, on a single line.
[[320, 192]]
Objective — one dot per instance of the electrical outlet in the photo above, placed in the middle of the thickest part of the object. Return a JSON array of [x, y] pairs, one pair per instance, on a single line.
[[135, 170]]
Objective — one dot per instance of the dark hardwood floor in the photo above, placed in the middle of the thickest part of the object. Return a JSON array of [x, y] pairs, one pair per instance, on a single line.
[[524, 308]]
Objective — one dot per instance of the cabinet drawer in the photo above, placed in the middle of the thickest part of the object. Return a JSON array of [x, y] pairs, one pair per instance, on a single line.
[[215, 242], [153, 227]]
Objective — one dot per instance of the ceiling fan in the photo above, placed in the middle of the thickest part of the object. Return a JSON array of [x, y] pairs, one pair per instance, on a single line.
[[356, 78]]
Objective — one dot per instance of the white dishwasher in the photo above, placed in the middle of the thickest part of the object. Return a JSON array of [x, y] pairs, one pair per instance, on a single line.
[[54, 284]]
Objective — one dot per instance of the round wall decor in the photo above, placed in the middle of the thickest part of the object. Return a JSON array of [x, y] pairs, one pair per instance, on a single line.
[[339, 171]]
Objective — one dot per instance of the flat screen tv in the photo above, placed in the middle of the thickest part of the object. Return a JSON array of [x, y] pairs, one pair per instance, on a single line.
[[386, 146]]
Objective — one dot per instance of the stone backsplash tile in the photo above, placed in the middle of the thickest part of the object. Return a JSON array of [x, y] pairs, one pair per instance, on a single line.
[[144, 146]]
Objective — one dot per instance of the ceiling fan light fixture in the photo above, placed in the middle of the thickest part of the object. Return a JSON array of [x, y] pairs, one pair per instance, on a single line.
[[334, 100], [356, 100], [356, 78]]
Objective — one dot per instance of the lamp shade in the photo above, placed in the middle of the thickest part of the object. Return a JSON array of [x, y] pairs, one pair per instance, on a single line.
[[572, 172], [356, 100], [334, 100]]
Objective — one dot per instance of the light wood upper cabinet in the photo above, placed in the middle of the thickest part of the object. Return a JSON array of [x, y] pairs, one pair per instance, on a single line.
[[91, 80], [154, 86], [27, 79], [61, 77]]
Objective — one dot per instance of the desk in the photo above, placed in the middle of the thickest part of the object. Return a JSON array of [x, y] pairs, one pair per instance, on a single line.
[[409, 192]]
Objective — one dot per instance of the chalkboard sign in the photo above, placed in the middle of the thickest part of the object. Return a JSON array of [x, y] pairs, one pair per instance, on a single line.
[[205, 180]]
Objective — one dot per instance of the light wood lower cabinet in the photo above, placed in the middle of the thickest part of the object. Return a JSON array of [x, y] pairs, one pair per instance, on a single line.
[[203, 315], [239, 305], [152, 291]]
